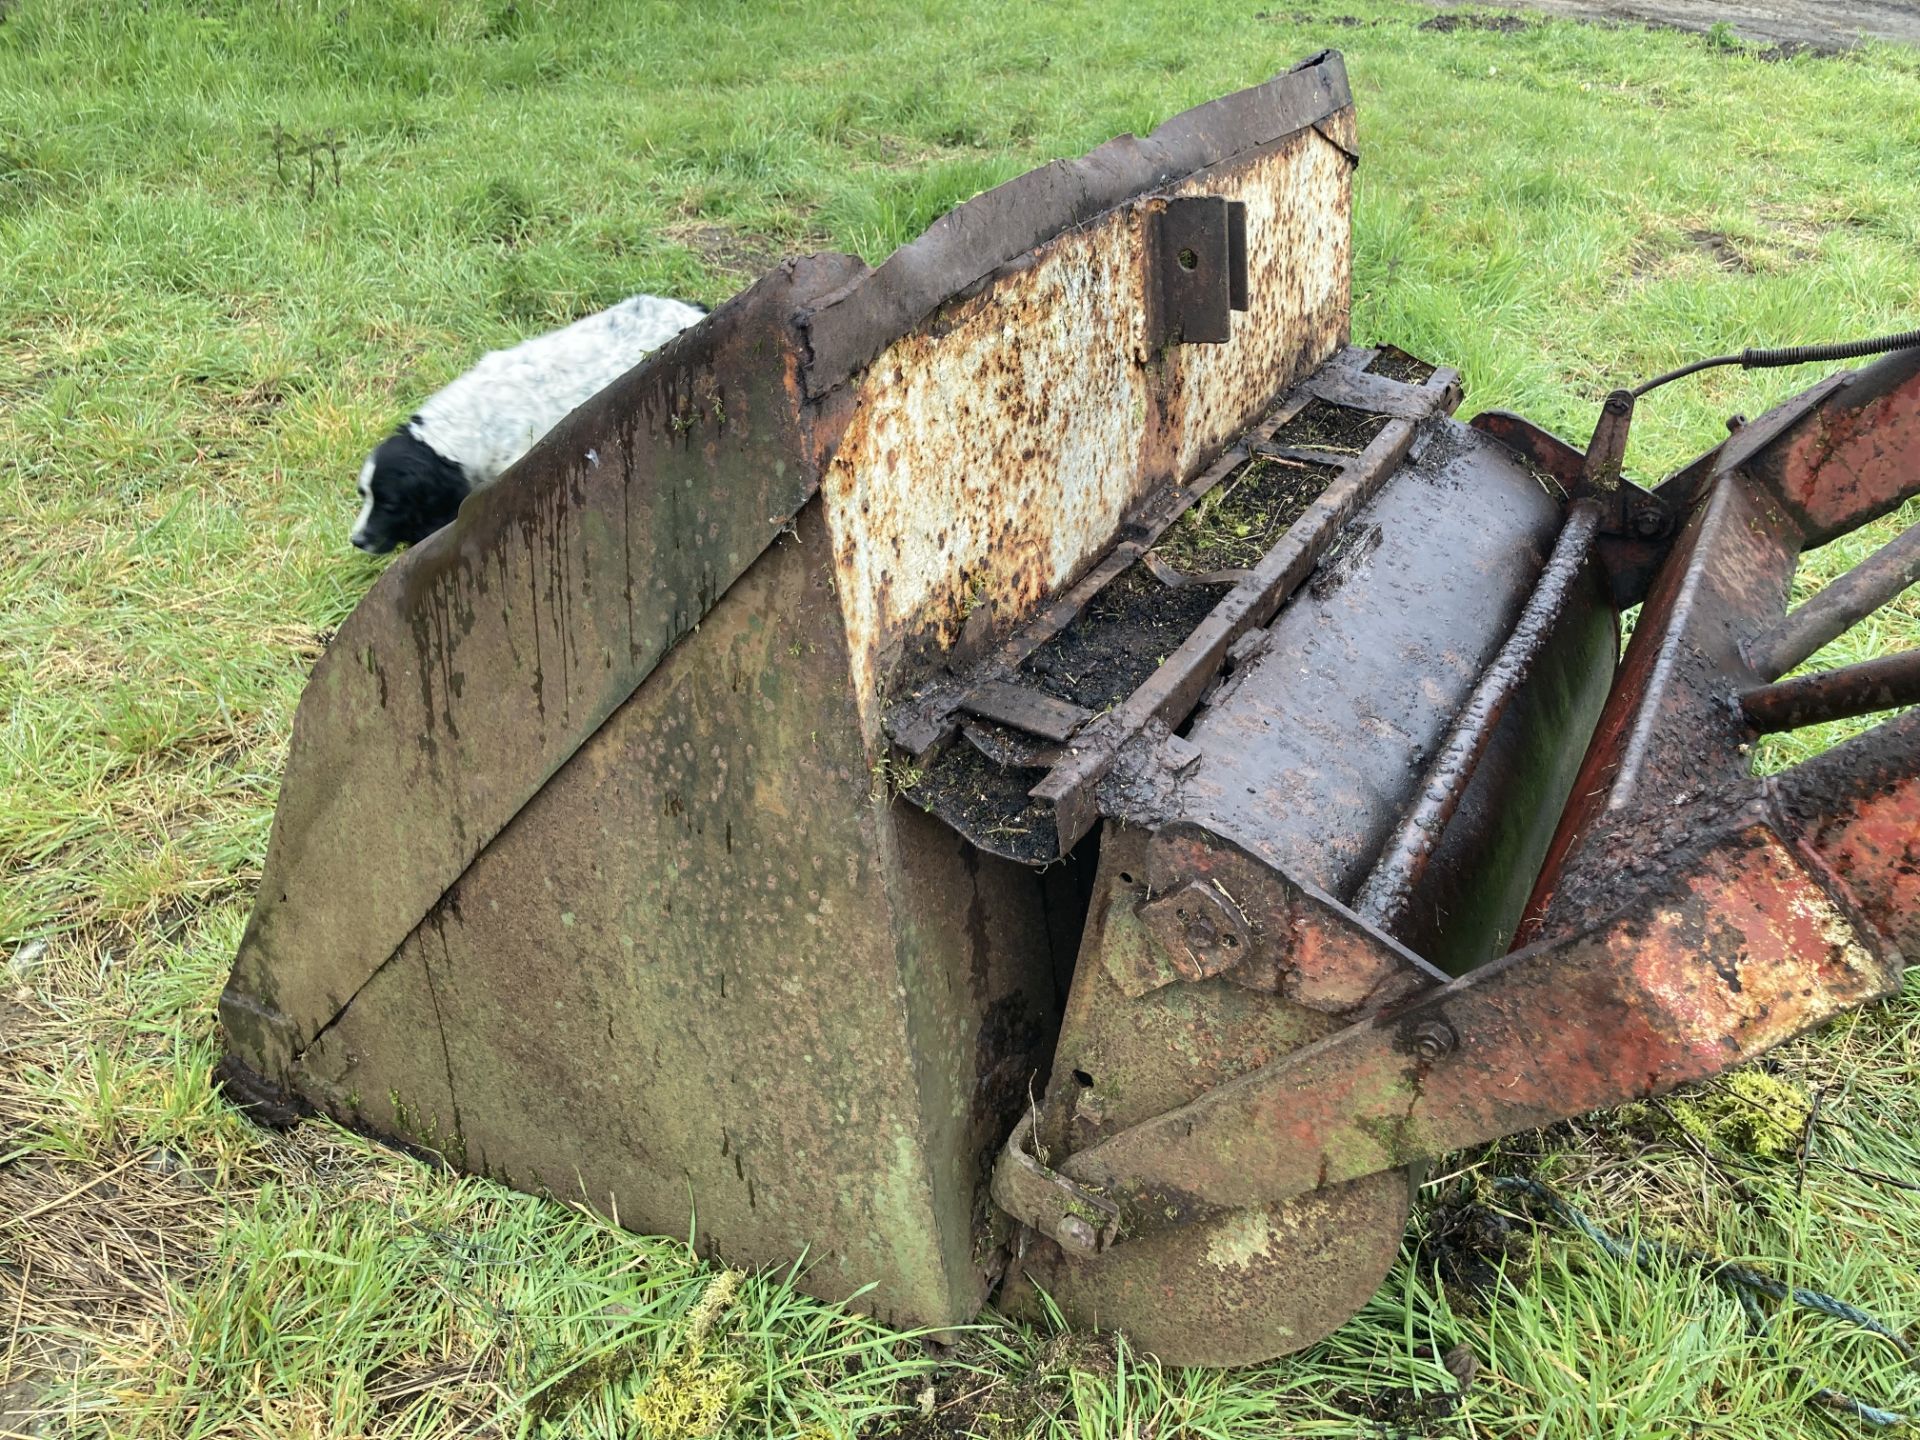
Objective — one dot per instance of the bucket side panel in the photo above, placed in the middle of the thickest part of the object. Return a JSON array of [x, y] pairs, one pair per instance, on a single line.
[[671, 985], [977, 973]]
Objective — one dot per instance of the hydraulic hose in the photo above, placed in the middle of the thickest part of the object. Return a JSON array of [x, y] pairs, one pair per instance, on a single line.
[[1769, 359]]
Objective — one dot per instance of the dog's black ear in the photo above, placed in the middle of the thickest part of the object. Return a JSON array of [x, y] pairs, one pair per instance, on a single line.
[[416, 490]]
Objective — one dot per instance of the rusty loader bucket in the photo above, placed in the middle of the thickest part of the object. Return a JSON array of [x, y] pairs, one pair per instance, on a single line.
[[1040, 766]]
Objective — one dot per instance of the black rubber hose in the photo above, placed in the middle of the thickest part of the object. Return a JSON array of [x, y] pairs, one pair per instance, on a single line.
[[1770, 359], [1813, 354]]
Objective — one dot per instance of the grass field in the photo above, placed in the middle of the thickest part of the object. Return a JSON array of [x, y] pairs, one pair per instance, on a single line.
[[204, 323]]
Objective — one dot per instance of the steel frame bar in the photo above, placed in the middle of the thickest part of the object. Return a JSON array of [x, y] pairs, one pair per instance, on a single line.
[[1842, 694], [1733, 947], [1841, 605]]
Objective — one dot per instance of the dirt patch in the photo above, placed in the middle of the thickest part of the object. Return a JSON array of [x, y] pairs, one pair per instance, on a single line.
[[1782, 29], [30, 1398], [1323, 425], [732, 252], [1113, 645], [1307, 17], [1397, 364], [1470, 1247], [1402, 1410], [980, 797], [1498, 24], [1720, 249], [1235, 523], [1786, 50], [1646, 261]]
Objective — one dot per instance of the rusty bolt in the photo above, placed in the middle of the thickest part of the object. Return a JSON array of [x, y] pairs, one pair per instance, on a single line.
[[1077, 1235], [1649, 521], [1434, 1038], [1201, 931], [1734, 422]]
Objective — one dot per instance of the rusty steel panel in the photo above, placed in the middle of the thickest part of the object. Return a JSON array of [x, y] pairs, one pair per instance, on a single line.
[[1295, 941], [957, 484], [846, 332], [1298, 199], [989, 459], [482, 658]]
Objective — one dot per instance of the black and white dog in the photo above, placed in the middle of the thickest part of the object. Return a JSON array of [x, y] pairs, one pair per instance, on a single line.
[[465, 436]]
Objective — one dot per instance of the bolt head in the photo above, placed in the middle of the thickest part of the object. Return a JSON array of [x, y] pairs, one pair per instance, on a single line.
[[1434, 1038], [1648, 522]]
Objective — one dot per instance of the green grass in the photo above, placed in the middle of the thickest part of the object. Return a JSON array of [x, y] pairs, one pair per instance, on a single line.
[[194, 355]]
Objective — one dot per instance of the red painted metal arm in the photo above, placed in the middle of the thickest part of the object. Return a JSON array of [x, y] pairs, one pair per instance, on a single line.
[[1857, 808], [1718, 953], [1844, 453]]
